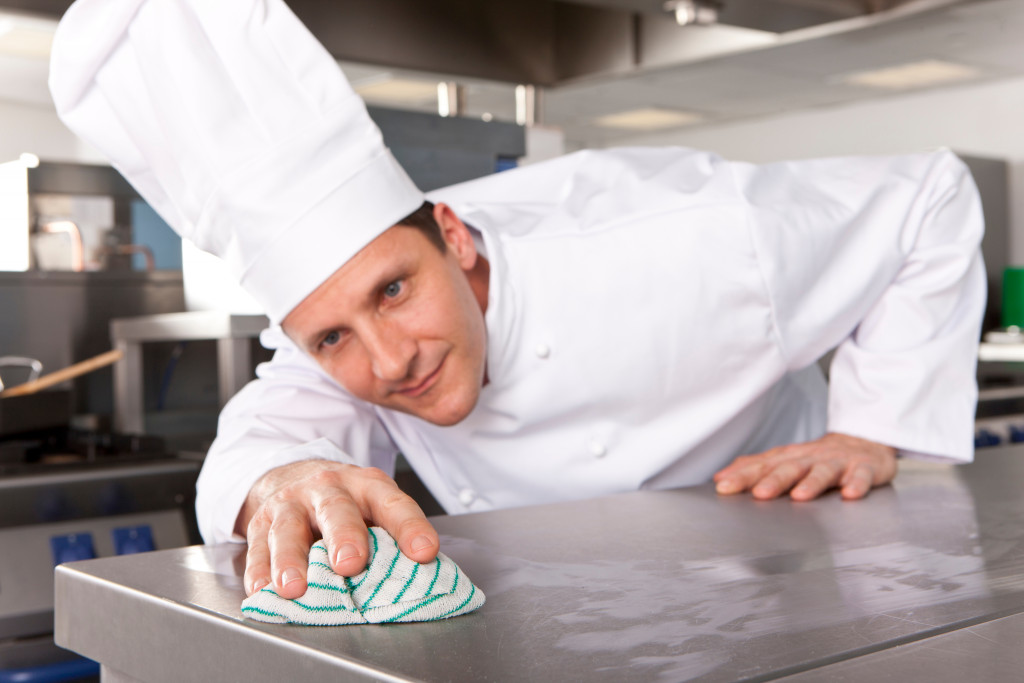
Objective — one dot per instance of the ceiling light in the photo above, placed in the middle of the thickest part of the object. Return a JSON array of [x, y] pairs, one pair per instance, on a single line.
[[700, 12], [398, 91], [912, 75], [648, 119], [26, 36]]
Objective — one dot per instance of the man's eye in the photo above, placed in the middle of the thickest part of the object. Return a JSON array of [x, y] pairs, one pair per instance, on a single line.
[[330, 339], [393, 289]]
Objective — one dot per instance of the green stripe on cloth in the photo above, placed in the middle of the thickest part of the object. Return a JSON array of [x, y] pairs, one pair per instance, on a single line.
[[412, 577], [332, 599], [257, 610], [437, 572], [380, 584]]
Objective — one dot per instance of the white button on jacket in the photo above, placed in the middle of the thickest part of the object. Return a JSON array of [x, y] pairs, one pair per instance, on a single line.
[[689, 299]]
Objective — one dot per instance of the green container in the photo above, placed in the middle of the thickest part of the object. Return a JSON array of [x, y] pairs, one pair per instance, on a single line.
[[1013, 297]]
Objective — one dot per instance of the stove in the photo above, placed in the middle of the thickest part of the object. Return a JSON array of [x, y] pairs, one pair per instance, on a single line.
[[72, 494]]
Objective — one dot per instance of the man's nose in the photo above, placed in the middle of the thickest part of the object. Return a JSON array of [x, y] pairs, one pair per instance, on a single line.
[[391, 353]]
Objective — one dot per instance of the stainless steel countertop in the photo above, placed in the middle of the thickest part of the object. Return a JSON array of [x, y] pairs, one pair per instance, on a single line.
[[667, 585]]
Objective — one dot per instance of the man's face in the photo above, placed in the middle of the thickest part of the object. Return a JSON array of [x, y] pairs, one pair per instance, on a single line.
[[401, 325]]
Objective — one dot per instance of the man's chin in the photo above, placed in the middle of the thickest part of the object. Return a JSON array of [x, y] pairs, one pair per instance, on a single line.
[[448, 418], [446, 415]]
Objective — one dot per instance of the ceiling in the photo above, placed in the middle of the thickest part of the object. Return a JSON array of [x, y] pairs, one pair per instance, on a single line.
[[605, 57], [804, 69]]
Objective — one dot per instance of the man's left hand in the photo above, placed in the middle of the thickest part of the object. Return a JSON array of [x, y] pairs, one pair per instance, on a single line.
[[809, 469]]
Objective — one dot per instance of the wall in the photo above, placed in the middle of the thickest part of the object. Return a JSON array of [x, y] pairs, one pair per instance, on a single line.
[[36, 129], [984, 120]]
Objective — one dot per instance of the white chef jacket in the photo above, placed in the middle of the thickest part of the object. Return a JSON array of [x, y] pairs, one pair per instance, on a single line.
[[654, 312]]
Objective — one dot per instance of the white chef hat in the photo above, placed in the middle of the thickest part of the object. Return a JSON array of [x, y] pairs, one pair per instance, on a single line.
[[238, 127]]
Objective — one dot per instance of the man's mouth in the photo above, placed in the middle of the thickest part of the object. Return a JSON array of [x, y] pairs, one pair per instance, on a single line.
[[425, 385]]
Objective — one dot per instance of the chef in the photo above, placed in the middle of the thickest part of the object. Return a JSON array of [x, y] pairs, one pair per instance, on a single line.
[[604, 322]]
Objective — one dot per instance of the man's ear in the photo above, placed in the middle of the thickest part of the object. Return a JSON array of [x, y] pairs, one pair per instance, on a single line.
[[456, 235]]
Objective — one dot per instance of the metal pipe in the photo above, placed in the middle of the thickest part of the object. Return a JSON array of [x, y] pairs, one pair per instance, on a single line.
[[528, 100], [451, 99], [129, 249], [33, 365]]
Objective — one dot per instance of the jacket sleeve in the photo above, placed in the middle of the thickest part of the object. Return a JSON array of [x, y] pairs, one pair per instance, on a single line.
[[878, 258], [292, 412]]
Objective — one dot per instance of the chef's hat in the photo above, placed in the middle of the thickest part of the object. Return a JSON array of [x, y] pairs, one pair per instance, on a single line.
[[238, 127]]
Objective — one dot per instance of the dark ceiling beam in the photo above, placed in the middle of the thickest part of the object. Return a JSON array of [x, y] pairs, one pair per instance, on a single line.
[[539, 42], [48, 8], [527, 41]]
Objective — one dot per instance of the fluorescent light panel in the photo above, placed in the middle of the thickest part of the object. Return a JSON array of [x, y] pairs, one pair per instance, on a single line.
[[650, 118], [912, 75], [26, 36], [398, 91]]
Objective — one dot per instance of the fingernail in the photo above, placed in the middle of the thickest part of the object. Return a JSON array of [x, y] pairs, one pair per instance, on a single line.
[[346, 552], [259, 584], [420, 543], [726, 486], [289, 575]]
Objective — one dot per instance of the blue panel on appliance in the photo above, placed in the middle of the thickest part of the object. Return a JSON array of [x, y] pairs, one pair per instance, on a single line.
[[134, 539], [984, 438], [505, 164], [72, 547]]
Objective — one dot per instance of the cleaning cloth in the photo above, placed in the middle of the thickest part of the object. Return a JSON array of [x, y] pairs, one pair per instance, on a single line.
[[393, 588]]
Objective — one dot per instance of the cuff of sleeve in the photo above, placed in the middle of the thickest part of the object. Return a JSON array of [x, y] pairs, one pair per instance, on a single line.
[[942, 450]]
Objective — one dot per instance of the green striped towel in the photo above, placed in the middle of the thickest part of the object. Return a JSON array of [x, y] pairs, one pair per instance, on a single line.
[[392, 588]]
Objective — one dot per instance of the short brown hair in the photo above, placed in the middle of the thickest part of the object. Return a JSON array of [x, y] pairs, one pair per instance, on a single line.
[[423, 220]]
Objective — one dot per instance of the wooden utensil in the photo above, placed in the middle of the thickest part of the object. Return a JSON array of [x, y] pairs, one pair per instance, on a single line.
[[64, 374]]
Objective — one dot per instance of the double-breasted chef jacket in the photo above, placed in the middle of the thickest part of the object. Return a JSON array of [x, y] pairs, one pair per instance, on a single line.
[[655, 312]]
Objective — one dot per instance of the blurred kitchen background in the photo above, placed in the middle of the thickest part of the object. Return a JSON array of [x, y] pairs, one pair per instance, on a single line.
[[106, 463]]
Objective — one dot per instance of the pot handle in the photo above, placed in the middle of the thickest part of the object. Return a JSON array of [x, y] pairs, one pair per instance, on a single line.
[[34, 366]]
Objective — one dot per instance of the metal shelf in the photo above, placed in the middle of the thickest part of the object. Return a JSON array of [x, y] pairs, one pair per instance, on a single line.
[[234, 359]]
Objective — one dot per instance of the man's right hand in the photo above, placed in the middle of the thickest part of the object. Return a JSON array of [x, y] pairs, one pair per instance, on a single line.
[[290, 506]]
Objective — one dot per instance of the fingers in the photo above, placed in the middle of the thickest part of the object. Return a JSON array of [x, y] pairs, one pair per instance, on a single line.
[[278, 551], [810, 469], [779, 479], [289, 539], [821, 477], [741, 475], [857, 482], [299, 502], [257, 565], [340, 521], [288, 508], [399, 514]]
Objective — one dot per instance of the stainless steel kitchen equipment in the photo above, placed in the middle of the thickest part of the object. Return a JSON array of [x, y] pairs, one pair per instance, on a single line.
[[62, 317], [234, 358], [103, 496], [32, 365], [43, 410], [672, 585], [76, 217], [69, 494]]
